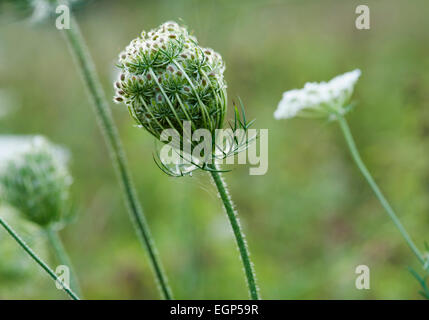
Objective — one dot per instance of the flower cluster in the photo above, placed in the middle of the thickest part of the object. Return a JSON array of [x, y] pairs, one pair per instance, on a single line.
[[322, 99], [36, 182], [167, 78]]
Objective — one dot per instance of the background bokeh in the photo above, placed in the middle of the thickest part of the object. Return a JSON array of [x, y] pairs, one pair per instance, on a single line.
[[309, 221]]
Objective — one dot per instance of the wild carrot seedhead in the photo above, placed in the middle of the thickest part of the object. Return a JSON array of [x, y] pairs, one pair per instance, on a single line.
[[167, 78], [36, 182], [168, 81]]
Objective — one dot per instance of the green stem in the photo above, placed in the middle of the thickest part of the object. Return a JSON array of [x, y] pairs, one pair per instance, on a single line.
[[355, 154], [34, 256], [238, 233], [105, 120], [63, 258]]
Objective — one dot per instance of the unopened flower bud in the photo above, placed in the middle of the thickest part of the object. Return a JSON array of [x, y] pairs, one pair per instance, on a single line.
[[14, 266], [36, 182]]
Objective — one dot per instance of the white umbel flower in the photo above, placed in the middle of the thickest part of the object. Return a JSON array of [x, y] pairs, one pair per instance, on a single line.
[[318, 99]]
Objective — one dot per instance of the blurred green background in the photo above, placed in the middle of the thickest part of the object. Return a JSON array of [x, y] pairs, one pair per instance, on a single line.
[[309, 221]]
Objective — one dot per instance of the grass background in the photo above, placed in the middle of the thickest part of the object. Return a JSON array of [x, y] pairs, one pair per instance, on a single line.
[[309, 221]]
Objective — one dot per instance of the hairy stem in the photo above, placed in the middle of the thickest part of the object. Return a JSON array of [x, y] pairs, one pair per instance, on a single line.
[[238, 232], [107, 125], [355, 154], [38, 260], [63, 258]]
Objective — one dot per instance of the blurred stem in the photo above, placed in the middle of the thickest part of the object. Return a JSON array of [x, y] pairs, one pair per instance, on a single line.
[[108, 128], [355, 154], [63, 258], [38, 260], [238, 233]]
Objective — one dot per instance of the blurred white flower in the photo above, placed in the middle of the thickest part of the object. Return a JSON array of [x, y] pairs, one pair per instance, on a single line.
[[13, 145], [318, 99], [35, 180]]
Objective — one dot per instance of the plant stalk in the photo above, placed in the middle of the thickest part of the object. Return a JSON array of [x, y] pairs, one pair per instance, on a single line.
[[63, 258], [37, 259], [238, 232], [356, 157], [110, 132]]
